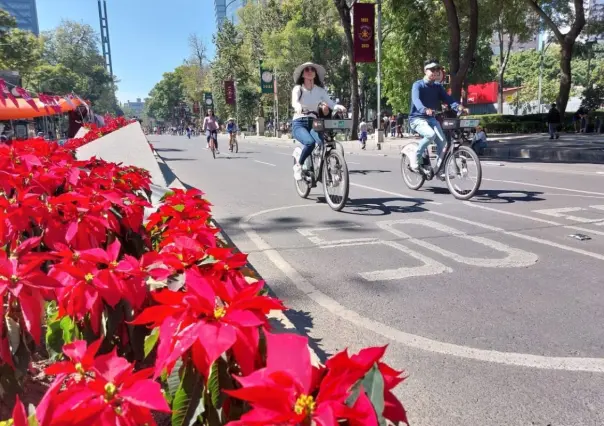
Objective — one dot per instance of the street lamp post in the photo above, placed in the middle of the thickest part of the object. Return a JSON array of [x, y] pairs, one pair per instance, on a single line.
[[379, 73], [227, 8]]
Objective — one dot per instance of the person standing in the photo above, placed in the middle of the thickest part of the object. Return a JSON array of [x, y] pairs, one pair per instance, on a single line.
[[553, 122]]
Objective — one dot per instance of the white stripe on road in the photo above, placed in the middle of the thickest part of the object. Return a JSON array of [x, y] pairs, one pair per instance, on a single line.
[[536, 219], [595, 365], [391, 193], [352, 162], [600, 173], [268, 164], [544, 186], [491, 163]]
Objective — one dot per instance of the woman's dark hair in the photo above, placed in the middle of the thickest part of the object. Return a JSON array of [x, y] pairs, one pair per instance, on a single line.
[[208, 112], [316, 82]]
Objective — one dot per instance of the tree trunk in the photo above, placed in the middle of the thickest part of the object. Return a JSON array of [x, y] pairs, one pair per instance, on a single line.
[[566, 54], [459, 65], [346, 20]]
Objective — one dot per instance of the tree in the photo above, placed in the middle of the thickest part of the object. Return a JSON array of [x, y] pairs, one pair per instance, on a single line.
[[20, 51], [513, 23], [556, 14], [345, 18], [460, 63], [74, 46], [164, 97]]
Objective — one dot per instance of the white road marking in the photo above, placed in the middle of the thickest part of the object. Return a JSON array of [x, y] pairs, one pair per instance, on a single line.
[[268, 164], [544, 186], [396, 194], [561, 213], [310, 233], [600, 173], [527, 237], [595, 365], [352, 162], [429, 266], [491, 163], [515, 258]]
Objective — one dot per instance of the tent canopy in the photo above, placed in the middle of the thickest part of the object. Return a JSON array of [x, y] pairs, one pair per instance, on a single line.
[[24, 111]]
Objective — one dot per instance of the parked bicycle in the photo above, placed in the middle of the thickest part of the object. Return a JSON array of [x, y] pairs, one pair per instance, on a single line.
[[326, 164], [452, 164]]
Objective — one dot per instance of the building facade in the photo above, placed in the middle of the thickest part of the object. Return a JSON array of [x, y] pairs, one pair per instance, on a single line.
[[227, 9], [25, 12], [137, 107]]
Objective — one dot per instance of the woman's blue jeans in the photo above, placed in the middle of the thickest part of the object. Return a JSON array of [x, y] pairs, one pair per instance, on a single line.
[[303, 132]]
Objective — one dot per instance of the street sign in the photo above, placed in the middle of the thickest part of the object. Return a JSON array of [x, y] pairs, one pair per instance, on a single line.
[[208, 99]]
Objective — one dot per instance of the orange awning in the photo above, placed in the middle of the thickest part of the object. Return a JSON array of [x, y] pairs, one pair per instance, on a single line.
[[11, 112]]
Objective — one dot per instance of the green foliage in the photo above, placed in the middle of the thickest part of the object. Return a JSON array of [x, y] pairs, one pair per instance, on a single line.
[[20, 51], [187, 404], [164, 97]]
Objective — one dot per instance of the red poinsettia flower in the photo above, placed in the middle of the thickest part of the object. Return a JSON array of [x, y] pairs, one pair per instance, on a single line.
[[25, 282], [114, 395], [19, 415], [199, 320], [287, 391], [81, 359]]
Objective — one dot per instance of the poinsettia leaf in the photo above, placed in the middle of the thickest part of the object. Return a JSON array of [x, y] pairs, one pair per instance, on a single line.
[[68, 328], [218, 373], [54, 338], [355, 391], [187, 404], [373, 383], [14, 334], [151, 341], [173, 380]]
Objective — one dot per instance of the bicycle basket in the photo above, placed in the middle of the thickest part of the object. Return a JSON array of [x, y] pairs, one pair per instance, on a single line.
[[450, 124], [318, 125]]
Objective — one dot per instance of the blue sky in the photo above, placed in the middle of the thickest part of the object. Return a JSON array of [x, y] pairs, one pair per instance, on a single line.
[[148, 37]]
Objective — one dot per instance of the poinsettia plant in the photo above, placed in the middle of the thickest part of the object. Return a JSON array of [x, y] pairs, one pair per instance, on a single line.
[[150, 314], [94, 131]]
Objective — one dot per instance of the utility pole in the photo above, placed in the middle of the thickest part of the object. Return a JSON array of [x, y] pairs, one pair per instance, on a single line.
[[106, 45], [378, 79]]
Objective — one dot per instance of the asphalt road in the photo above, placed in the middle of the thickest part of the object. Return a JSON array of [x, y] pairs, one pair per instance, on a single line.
[[494, 311]]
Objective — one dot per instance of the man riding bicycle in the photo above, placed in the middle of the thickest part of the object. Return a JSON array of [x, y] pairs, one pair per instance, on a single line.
[[231, 129], [426, 97], [309, 96]]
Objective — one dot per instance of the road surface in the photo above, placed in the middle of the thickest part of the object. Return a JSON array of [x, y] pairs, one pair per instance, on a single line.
[[494, 311]]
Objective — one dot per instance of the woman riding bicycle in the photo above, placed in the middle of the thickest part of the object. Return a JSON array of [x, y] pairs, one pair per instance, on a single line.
[[309, 96], [210, 126]]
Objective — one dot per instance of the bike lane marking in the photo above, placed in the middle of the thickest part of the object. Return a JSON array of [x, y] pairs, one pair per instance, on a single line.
[[535, 219], [544, 186], [371, 188], [595, 365], [268, 164]]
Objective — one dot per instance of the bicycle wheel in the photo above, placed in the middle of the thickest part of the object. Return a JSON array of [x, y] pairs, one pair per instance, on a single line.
[[412, 179], [235, 146], [302, 186], [213, 148], [457, 168], [335, 176]]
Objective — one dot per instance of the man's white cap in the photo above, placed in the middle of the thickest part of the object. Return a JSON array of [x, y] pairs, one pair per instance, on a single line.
[[432, 65]]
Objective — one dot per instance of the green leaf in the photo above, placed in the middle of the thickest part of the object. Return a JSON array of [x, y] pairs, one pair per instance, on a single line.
[[14, 334], [373, 383], [32, 420], [54, 338], [355, 391], [188, 402], [151, 341], [173, 380], [68, 329]]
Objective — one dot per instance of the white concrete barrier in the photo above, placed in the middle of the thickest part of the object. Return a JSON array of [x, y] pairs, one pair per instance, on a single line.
[[127, 145]]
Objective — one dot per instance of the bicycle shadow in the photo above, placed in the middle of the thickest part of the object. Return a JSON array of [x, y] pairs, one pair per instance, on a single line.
[[495, 196], [366, 172], [378, 206]]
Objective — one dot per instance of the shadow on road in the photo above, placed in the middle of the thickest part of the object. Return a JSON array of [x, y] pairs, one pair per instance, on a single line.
[[228, 157], [169, 149], [366, 172], [496, 196], [178, 159], [378, 207]]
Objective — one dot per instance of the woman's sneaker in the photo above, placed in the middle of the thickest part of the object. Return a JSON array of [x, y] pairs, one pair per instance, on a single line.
[[297, 172]]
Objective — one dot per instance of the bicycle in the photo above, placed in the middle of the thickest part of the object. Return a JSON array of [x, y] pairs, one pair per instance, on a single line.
[[326, 164], [454, 170], [212, 144], [233, 145]]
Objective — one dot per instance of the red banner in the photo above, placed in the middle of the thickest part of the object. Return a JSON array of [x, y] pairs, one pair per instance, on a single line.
[[229, 92], [364, 32], [483, 93]]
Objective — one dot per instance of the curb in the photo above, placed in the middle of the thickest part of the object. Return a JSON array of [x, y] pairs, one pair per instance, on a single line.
[[545, 154], [279, 320]]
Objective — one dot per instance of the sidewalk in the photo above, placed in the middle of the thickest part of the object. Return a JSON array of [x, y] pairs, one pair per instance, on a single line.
[[570, 148]]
